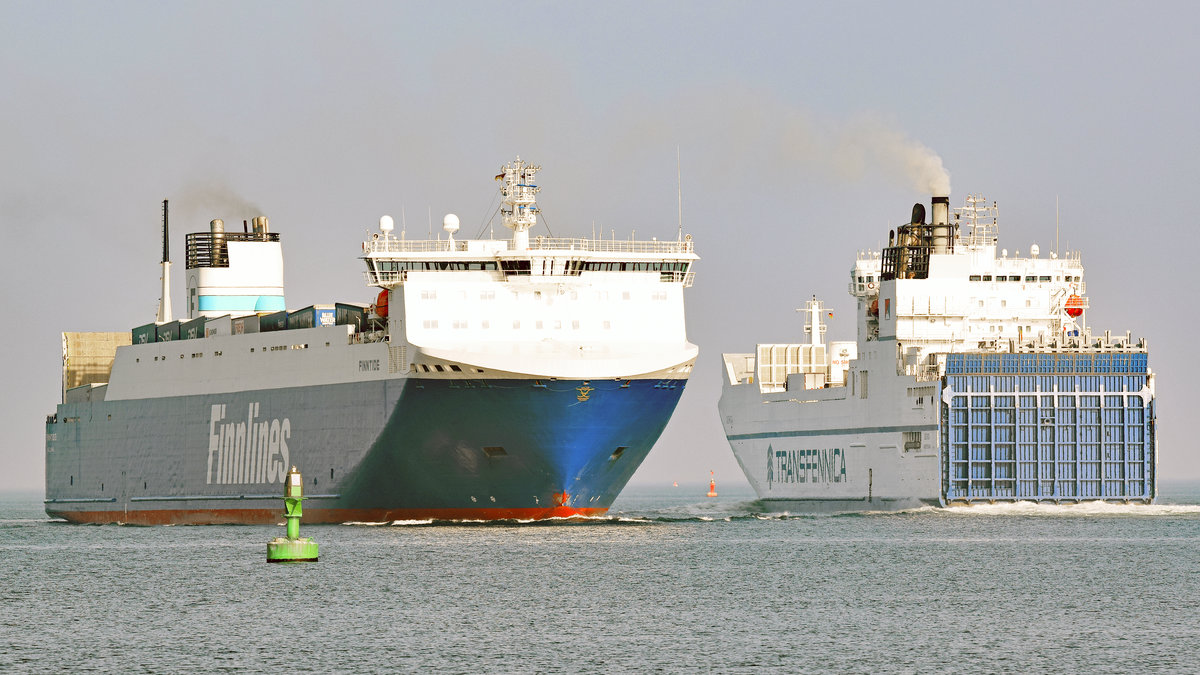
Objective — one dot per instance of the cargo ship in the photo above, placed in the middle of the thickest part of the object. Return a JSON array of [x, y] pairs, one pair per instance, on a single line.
[[516, 378], [974, 379]]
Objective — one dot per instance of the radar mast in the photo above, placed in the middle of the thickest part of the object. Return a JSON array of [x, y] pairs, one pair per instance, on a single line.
[[519, 208]]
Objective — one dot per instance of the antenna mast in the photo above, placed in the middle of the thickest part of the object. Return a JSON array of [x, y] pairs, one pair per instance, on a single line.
[[1056, 226], [679, 187], [164, 302], [518, 210]]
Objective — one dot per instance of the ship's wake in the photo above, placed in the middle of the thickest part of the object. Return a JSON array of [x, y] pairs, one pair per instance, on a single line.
[[1082, 509], [755, 510]]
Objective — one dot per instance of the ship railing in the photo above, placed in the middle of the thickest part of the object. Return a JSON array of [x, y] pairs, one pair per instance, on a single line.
[[923, 372], [686, 278], [393, 245], [383, 278], [367, 337], [392, 277], [610, 245], [208, 249]]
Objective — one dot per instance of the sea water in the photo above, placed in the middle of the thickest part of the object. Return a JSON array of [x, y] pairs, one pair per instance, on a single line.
[[670, 581]]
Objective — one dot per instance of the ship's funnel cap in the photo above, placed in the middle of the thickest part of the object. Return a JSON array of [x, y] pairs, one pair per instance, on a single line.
[[918, 214], [941, 210]]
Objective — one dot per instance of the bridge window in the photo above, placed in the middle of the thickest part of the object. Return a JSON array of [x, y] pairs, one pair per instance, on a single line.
[[518, 267], [638, 266]]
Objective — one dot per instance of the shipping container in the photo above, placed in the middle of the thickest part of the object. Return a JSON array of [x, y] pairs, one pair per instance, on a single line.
[[145, 334], [221, 325], [168, 331], [245, 324], [273, 321], [312, 316], [192, 330], [351, 314]]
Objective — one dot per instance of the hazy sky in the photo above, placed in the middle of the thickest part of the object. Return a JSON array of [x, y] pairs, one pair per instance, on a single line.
[[791, 121]]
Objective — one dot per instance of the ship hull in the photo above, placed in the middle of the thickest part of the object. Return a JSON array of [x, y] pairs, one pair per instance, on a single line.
[[394, 449], [996, 428], [847, 471]]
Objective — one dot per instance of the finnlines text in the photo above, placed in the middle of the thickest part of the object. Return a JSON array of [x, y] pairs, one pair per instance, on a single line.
[[247, 451], [810, 465]]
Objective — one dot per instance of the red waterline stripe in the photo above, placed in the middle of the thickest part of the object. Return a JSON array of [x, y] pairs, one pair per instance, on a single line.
[[314, 516]]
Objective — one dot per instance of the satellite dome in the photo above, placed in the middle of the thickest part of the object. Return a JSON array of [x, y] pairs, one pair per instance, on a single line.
[[450, 223]]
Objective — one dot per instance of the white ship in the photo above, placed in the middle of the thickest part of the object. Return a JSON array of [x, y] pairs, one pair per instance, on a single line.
[[974, 378]]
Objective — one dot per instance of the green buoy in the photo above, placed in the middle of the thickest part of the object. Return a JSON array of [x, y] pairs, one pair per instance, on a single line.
[[292, 548]]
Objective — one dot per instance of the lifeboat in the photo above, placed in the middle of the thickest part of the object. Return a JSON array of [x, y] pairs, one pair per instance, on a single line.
[[1074, 306], [381, 304]]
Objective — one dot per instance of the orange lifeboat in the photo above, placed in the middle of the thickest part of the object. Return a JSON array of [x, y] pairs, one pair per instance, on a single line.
[[1074, 306], [381, 304]]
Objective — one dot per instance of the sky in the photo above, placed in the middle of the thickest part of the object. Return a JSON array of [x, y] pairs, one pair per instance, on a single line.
[[794, 124]]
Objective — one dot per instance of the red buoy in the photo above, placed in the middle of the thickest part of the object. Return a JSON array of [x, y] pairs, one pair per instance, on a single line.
[[381, 304], [1074, 306], [712, 485]]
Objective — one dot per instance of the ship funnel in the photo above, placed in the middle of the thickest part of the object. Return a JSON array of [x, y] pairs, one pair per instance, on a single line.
[[918, 214], [941, 210], [941, 225], [231, 272]]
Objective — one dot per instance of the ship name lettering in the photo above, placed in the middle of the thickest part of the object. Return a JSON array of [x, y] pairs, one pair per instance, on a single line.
[[368, 365], [807, 465], [252, 450]]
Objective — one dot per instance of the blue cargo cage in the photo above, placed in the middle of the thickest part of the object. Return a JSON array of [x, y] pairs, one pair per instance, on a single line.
[[1056, 427]]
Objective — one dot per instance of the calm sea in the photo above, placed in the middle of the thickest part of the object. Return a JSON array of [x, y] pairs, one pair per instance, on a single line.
[[670, 582]]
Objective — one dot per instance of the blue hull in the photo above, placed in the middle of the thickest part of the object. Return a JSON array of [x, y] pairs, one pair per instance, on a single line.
[[510, 445]]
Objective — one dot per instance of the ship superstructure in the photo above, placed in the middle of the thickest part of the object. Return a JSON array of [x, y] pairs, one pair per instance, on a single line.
[[974, 378], [492, 378]]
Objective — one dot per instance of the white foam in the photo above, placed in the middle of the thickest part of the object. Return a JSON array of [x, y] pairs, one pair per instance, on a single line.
[[1093, 508]]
